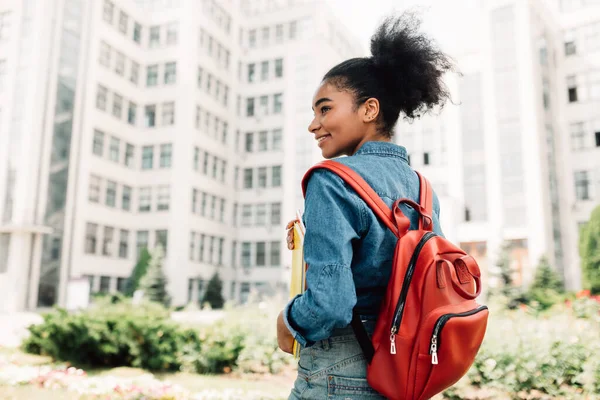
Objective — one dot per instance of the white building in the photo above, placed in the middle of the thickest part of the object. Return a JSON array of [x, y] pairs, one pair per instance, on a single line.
[[129, 124]]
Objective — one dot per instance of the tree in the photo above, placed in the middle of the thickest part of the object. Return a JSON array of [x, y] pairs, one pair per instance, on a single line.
[[547, 286], [508, 290], [138, 272], [589, 250], [214, 292], [154, 282]]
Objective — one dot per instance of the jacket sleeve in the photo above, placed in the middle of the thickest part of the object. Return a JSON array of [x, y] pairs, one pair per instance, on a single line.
[[334, 217]]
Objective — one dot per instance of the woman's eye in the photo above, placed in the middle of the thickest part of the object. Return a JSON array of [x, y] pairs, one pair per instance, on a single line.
[[325, 109]]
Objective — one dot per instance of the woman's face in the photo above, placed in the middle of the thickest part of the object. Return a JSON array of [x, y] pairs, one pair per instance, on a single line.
[[339, 127]]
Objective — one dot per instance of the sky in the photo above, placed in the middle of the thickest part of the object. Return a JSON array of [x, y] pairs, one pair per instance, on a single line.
[[449, 22]]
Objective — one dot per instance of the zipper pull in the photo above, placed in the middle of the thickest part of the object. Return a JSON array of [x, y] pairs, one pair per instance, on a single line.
[[433, 349], [392, 344]]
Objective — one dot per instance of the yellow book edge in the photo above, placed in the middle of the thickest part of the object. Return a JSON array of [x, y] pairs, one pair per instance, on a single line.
[[298, 277]]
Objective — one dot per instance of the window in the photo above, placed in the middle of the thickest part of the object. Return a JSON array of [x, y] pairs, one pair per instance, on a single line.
[[261, 214], [123, 243], [251, 72], [54, 251], [246, 254], [170, 73], [209, 83], [201, 248], [172, 29], [117, 105], [577, 136], [264, 70], [249, 142], [147, 157], [111, 193], [91, 238], [275, 213], [152, 75], [150, 116], [101, 96], [572, 88], [135, 72], [248, 178], [277, 104], [131, 113], [582, 185], [203, 204], [246, 215], [166, 151], [275, 254], [98, 147], [105, 53], [192, 246], [94, 189], [145, 201], [262, 177], [107, 242], [265, 35], [223, 170], [120, 64], [597, 138], [263, 141], [123, 22], [199, 80], [205, 163], [222, 211], [129, 152], [250, 107], [426, 158], [107, 14], [293, 29], [276, 177], [234, 254], [168, 113], [570, 46], [163, 198], [121, 284], [261, 256], [252, 38], [264, 105], [154, 36], [225, 95], [213, 206], [104, 284], [126, 198], [211, 249], [224, 133], [194, 200], [220, 251], [278, 33], [215, 167], [113, 153], [196, 158], [277, 139], [279, 68], [137, 33], [141, 242]]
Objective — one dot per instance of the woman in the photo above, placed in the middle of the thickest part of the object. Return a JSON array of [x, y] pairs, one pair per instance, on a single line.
[[347, 248]]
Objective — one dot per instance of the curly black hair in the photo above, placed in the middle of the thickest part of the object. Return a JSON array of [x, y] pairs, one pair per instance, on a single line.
[[405, 72]]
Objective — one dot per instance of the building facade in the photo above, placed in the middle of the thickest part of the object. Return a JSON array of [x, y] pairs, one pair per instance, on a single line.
[[149, 123]]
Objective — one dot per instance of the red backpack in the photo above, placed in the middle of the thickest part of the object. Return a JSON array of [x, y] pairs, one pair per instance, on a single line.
[[429, 328]]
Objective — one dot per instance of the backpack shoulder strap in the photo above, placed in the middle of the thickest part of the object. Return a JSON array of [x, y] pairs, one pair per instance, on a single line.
[[426, 194], [361, 187]]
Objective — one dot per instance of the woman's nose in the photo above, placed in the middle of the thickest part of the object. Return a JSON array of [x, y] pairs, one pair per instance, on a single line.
[[314, 125]]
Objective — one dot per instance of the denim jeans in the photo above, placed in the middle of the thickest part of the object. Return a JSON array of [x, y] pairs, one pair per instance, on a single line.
[[334, 368]]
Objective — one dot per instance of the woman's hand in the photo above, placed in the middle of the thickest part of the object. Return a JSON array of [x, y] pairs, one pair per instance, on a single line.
[[290, 234], [285, 340]]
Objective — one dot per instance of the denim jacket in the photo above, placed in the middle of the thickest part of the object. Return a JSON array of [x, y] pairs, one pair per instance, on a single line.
[[348, 250]]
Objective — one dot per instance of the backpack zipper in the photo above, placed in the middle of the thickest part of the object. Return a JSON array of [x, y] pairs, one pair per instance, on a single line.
[[408, 278], [439, 324]]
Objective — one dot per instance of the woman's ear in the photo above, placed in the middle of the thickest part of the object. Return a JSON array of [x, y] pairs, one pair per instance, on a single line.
[[370, 110]]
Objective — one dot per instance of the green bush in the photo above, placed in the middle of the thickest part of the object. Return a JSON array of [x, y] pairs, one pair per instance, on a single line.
[[527, 357], [111, 335]]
